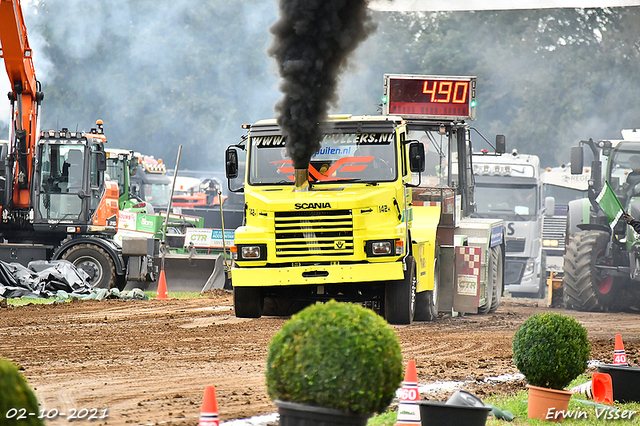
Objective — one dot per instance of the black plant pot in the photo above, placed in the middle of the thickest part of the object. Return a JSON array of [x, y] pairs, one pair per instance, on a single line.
[[433, 413], [625, 382], [296, 414]]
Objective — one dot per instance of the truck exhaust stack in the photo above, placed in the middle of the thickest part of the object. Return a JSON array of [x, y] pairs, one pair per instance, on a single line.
[[301, 180]]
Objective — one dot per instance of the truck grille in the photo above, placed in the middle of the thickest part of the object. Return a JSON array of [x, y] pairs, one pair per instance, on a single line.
[[515, 246], [311, 233], [554, 228]]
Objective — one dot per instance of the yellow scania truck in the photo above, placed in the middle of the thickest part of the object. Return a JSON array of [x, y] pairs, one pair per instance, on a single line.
[[378, 218]]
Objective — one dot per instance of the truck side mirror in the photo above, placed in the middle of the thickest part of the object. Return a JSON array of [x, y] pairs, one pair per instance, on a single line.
[[231, 163], [577, 160], [101, 160], [549, 206], [501, 144], [417, 161]]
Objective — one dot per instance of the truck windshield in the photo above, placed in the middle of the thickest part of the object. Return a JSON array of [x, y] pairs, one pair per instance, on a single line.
[[61, 180], [366, 157], [514, 202], [563, 195], [157, 194]]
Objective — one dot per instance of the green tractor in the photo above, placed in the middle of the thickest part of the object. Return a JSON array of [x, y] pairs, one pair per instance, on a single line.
[[602, 262], [142, 188]]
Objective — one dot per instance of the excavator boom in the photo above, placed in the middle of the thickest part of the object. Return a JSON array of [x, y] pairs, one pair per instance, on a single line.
[[25, 98]]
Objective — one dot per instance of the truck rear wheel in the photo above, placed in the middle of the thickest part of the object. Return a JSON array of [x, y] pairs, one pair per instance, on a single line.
[[583, 287], [427, 301], [248, 302], [498, 277], [95, 262], [400, 296]]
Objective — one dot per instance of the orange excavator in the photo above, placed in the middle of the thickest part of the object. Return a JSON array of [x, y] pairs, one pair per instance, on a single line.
[[54, 201]]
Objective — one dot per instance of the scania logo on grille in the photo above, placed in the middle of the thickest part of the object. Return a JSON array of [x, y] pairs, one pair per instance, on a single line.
[[306, 206]]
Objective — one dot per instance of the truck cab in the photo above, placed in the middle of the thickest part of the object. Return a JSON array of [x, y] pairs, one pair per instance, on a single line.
[[362, 225], [508, 187]]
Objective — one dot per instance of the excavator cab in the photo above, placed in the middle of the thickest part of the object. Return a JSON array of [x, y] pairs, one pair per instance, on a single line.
[[70, 180]]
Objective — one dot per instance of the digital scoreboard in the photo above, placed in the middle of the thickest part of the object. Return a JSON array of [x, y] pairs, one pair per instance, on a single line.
[[429, 97]]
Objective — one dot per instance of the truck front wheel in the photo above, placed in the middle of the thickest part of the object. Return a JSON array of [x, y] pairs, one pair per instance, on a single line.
[[400, 296], [248, 302], [95, 262], [583, 287]]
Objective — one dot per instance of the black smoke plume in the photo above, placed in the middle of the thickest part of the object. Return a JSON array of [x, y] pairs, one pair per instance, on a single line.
[[313, 39]]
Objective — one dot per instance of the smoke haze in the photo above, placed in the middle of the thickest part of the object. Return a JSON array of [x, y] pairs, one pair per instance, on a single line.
[[168, 73], [313, 39]]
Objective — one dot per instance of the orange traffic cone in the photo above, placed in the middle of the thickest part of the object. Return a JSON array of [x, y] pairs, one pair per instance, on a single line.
[[409, 409], [599, 388], [602, 388], [161, 293], [209, 411], [619, 355]]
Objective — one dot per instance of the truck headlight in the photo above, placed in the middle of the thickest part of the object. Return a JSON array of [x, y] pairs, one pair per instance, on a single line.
[[381, 248], [528, 269], [550, 243], [252, 252]]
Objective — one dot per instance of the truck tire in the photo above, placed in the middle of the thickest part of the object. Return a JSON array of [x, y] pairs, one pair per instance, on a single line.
[[400, 296], [248, 302], [489, 287], [95, 262], [542, 290], [427, 301], [582, 288], [498, 277]]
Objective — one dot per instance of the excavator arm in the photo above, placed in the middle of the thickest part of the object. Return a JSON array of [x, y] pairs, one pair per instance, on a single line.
[[25, 99]]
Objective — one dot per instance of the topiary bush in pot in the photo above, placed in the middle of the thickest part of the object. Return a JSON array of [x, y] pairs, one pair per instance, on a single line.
[[340, 356], [551, 350], [16, 398]]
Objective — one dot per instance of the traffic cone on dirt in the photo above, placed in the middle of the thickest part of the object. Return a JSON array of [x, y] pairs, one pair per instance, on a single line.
[[209, 411], [409, 409], [619, 355], [161, 293]]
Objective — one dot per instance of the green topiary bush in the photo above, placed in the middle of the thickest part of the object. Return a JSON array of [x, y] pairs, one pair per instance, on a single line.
[[551, 350], [335, 355], [16, 394]]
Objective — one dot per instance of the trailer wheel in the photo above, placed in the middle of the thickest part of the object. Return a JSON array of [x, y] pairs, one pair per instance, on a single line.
[[248, 302], [489, 286], [427, 301], [400, 296], [95, 262], [498, 277], [582, 286]]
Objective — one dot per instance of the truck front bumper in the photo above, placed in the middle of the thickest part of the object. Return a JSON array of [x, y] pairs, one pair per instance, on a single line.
[[316, 274]]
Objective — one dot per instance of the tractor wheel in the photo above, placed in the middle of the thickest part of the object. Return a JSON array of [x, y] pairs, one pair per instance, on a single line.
[[400, 296], [488, 288], [498, 277], [248, 302], [583, 287], [95, 262], [427, 301]]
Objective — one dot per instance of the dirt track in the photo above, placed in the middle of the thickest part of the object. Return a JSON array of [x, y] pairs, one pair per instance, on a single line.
[[147, 362]]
